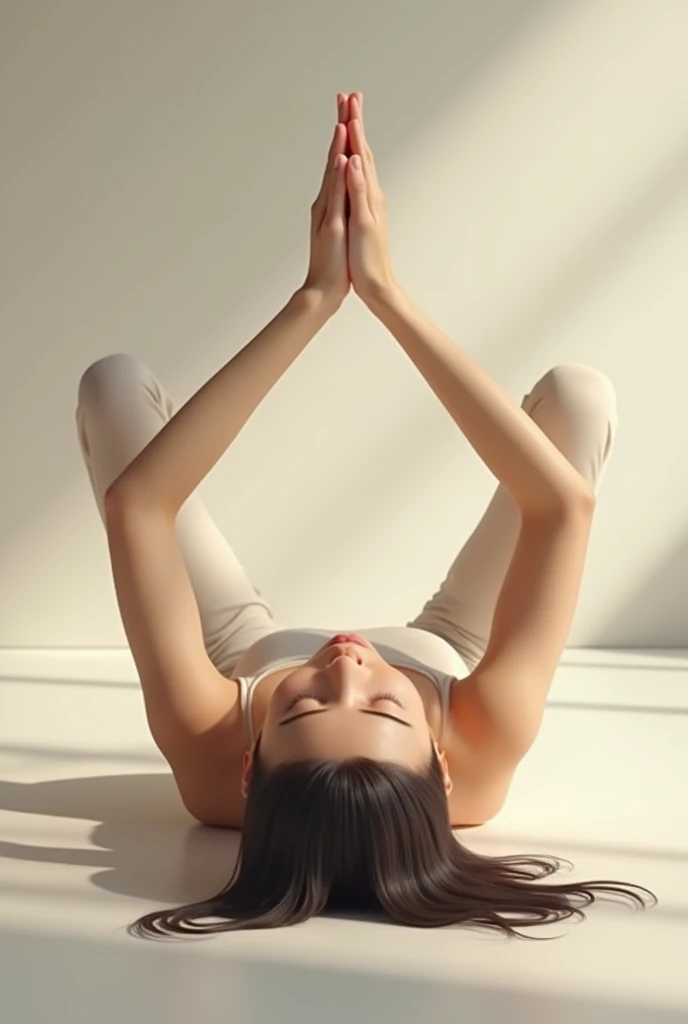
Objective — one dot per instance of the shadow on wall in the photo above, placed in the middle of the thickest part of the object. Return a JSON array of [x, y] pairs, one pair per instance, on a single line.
[[145, 243], [655, 611], [124, 197], [411, 457]]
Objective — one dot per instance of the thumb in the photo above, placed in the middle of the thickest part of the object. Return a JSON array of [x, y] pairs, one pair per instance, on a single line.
[[356, 185], [336, 201]]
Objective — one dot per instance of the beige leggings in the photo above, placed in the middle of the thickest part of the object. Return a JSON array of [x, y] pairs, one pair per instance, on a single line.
[[122, 405]]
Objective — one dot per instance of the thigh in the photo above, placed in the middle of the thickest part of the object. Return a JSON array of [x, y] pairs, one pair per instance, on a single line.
[[461, 609], [121, 406], [575, 406]]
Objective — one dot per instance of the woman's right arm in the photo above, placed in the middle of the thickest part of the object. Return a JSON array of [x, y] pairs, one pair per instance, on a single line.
[[537, 475], [533, 470]]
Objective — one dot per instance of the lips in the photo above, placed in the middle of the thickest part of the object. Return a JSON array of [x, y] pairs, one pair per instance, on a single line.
[[346, 638]]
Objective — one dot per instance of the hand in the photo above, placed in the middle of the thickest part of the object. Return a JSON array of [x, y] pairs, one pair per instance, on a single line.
[[328, 272], [370, 267]]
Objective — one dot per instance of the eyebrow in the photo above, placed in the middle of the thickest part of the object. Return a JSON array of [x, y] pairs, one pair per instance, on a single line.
[[364, 711]]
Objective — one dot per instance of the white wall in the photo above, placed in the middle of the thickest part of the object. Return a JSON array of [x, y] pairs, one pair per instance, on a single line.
[[159, 161]]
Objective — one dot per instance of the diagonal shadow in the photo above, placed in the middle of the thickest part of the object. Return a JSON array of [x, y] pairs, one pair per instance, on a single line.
[[263, 988], [653, 609], [148, 846], [234, 257], [412, 448]]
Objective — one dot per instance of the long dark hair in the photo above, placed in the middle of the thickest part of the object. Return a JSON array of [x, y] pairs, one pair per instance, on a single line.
[[373, 837]]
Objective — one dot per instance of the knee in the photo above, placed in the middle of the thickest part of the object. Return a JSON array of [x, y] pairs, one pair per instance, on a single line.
[[576, 384], [102, 371]]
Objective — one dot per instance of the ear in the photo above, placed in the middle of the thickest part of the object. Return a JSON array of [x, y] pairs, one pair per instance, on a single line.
[[442, 758], [448, 784]]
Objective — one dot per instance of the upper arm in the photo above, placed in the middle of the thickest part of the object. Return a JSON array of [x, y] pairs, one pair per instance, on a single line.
[[505, 695], [185, 696]]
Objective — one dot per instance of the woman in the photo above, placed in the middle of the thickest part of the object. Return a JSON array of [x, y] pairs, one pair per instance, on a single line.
[[347, 759]]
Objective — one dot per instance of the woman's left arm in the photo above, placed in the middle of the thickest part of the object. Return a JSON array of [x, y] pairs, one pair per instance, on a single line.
[[177, 459]]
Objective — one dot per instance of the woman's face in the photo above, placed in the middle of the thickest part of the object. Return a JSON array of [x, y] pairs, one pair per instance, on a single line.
[[346, 701]]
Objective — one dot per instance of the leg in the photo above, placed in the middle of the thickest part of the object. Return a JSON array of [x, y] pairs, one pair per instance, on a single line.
[[121, 406], [575, 406]]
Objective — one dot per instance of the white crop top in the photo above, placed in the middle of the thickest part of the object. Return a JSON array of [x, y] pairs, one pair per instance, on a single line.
[[401, 646]]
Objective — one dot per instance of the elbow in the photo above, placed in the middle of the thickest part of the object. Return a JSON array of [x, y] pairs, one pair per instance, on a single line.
[[579, 501], [114, 497], [583, 500]]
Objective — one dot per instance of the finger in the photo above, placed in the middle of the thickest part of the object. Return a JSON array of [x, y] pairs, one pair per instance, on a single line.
[[359, 142], [359, 148], [358, 128], [344, 117], [356, 108], [357, 189], [337, 198], [343, 107], [336, 147]]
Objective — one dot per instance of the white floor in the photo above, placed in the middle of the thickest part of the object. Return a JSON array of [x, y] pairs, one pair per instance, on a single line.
[[92, 834]]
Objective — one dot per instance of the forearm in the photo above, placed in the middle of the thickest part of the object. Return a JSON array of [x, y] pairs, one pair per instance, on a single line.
[[178, 458], [537, 475]]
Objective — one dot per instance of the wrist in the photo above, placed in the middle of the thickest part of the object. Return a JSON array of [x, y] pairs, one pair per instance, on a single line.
[[384, 298], [317, 300]]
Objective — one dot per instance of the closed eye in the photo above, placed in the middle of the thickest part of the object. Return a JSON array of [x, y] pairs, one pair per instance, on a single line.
[[363, 711], [313, 696]]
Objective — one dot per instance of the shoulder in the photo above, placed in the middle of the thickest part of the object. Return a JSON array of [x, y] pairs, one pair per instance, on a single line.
[[481, 775], [208, 769]]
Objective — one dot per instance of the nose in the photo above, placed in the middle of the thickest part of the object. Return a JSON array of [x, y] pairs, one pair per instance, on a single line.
[[344, 650], [345, 678]]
